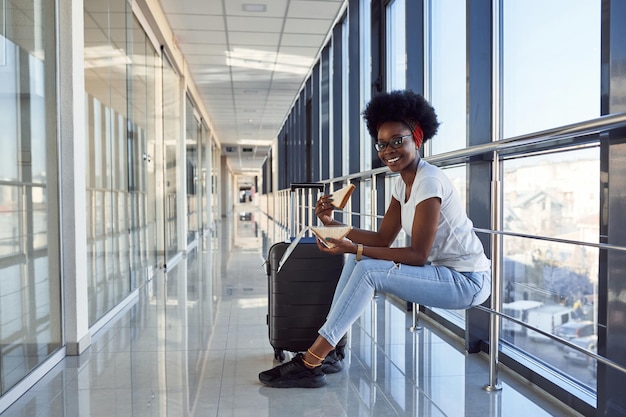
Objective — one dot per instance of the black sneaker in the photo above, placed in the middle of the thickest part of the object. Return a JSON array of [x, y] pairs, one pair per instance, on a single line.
[[332, 363], [293, 374]]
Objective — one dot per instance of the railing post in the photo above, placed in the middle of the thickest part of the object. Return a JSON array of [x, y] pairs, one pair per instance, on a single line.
[[293, 213], [373, 201], [496, 241], [415, 312]]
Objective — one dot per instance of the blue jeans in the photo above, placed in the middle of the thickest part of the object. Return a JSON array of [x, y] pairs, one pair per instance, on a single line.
[[434, 286]]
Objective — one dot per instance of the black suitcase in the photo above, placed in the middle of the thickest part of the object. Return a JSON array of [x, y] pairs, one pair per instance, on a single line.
[[300, 293]]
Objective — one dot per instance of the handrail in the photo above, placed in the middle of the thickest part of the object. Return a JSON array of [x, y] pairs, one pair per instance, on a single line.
[[571, 131], [605, 246], [599, 358]]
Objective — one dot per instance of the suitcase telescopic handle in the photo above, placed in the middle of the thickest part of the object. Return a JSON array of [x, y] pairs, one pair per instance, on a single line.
[[300, 185], [307, 185]]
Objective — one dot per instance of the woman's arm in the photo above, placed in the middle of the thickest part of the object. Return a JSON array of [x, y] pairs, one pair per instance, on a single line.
[[424, 229], [387, 232]]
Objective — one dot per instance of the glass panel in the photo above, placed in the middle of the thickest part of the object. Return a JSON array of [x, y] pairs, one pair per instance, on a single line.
[[448, 76], [205, 199], [30, 303], [192, 130], [108, 152], [367, 222], [396, 344], [365, 85], [171, 128], [345, 94], [10, 230], [543, 57], [141, 148], [402, 239], [215, 185], [555, 195], [552, 286], [396, 45], [39, 219], [152, 245]]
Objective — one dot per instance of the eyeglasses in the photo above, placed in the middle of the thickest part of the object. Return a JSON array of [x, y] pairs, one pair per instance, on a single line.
[[395, 143]]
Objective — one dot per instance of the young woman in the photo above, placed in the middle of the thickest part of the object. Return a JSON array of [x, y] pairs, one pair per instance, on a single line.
[[444, 266]]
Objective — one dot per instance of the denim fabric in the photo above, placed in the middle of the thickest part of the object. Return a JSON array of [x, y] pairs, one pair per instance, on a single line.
[[433, 286]]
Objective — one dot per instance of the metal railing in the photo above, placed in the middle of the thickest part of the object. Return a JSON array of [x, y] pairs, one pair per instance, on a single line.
[[578, 134]]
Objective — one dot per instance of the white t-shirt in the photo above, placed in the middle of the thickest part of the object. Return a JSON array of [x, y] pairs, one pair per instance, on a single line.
[[456, 245]]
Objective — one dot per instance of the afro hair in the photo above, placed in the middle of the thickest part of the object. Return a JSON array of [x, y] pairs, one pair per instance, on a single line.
[[400, 106]]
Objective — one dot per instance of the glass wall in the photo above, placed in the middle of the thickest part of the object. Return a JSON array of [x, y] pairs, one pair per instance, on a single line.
[[107, 167], [551, 77], [447, 77], [533, 66], [120, 81], [30, 283]]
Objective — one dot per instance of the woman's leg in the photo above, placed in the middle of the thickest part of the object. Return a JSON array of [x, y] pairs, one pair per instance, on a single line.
[[430, 285], [321, 347], [435, 286], [346, 272], [318, 351]]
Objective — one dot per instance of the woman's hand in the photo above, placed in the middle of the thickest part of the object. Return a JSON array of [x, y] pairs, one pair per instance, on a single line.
[[324, 209], [341, 246]]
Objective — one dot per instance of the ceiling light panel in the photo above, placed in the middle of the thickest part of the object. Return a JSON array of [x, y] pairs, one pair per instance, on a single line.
[[254, 7], [274, 8]]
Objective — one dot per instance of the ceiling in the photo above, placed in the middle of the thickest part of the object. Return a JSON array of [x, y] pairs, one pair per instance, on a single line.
[[248, 60]]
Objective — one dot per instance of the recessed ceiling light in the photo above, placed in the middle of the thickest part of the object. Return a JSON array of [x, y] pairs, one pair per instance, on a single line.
[[250, 7]]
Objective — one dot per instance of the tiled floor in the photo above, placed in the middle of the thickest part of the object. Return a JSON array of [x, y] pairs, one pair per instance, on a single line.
[[195, 339]]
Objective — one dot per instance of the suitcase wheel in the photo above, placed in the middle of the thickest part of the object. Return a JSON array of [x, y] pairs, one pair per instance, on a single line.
[[279, 355]]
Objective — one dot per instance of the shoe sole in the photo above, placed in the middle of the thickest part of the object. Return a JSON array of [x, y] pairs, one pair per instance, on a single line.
[[316, 382]]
